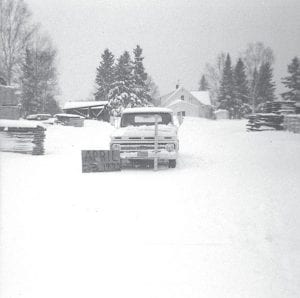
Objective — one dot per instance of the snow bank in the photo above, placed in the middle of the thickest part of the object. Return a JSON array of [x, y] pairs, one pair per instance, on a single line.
[[225, 223]]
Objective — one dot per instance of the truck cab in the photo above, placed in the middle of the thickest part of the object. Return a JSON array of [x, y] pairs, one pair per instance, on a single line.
[[138, 138]]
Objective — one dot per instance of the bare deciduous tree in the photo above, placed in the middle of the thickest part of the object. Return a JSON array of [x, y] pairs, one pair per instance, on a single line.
[[255, 55], [15, 33], [213, 74]]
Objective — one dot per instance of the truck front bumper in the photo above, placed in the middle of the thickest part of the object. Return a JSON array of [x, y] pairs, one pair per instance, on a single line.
[[148, 155]]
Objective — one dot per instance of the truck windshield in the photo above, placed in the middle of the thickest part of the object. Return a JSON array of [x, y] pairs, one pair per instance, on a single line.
[[139, 119]]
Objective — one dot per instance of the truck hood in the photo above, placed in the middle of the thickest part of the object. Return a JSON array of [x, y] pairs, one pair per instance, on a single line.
[[145, 131]]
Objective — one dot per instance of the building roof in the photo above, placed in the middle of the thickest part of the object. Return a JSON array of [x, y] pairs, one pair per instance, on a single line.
[[83, 104], [202, 96], [147, 110]]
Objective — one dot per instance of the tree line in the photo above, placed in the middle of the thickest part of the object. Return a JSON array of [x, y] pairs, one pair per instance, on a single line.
[[244, 86], [27, 59], [124, 82]]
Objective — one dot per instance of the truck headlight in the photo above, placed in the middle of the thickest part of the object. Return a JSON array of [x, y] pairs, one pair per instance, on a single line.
[[170, 147], [115, 147]]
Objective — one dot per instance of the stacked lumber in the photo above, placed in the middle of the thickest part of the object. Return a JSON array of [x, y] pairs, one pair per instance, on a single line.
[[298, 108], [22, 137], [292, 123], [9, 108], [280, 107], [265, 121]]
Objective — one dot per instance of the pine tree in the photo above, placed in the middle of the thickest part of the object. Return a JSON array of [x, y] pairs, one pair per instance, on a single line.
[[105, 76], [292, 82], [153, 91], [140, 77], [240, 81], [203, 84], [122, 93], [227, 95], [30, 104], [39, 79], [265, 84]]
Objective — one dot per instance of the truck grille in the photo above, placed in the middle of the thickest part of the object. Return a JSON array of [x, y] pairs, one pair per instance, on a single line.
[[137, 147]]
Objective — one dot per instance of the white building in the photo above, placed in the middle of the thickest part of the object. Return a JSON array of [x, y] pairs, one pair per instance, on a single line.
[[188, 103]]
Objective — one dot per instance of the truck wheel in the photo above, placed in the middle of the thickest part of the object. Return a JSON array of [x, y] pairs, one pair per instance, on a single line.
[[172, 163]]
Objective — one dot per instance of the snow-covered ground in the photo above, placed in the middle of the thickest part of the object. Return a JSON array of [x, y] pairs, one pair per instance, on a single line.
[[224, 223]]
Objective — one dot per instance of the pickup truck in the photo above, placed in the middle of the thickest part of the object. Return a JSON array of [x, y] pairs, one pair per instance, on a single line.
[[135, 137]]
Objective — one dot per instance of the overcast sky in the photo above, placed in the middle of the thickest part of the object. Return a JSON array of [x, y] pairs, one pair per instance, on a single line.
[[178, 36]]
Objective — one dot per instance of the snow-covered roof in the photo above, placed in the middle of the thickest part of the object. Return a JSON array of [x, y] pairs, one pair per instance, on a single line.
[[179, 101], [202, 96], [68, 116], [147, 110], [20, 123], [83, 104], [8, 87]]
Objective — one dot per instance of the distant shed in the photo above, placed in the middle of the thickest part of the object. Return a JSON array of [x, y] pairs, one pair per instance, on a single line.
[[88, 109]]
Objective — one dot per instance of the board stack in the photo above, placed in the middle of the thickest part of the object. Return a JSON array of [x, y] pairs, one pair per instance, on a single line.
[[292, 123], [265, 121], [272, 115], [9, 108], [21, 137], [282, 107]]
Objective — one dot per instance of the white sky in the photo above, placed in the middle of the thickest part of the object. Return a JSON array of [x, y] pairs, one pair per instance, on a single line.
[[178, 36]]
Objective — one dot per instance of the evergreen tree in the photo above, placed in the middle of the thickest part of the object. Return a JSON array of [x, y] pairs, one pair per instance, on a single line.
[[153, 91], [140, 77], [39, 83], [122, 93], [30, 103], [265, 85], [292, 82], [240, 81], [227, 95], [203, 84], [105, 76]]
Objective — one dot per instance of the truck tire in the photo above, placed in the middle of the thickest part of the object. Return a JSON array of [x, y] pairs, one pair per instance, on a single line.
[[172, 163]]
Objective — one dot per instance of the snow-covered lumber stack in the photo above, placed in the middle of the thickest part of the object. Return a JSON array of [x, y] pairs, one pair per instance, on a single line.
[[264, 121], [292, 123], [22, 136]]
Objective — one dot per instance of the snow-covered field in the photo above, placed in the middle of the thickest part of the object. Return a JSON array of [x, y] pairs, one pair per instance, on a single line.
[[224, 223]]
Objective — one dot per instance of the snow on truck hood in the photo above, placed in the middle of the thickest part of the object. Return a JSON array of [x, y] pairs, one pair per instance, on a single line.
[[145, 131]]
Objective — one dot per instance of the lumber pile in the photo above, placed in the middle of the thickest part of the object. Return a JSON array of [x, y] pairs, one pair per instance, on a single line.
[[292, 123], [282, 107], [9, 108], [272, 116], [22, 137], [265, 121]]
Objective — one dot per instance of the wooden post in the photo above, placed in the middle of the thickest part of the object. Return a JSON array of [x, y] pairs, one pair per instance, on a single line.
[[156, 143]]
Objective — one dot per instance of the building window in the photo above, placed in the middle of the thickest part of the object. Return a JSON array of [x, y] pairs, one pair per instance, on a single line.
[[182, 97], [181, 114]]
